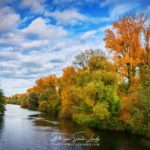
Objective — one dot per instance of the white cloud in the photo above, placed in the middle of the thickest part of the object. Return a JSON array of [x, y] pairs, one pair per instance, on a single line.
[[88, 34], [17, 66], [15, 86], [12, 39], [9, 19], [40, 28], [74, 17], [34, 44], [70, 16], [36, 6]]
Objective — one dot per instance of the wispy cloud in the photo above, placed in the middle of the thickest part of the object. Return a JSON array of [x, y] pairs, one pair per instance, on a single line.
[[88, 34], [121, 9], [70, 16], [36, 6], [105, 3]]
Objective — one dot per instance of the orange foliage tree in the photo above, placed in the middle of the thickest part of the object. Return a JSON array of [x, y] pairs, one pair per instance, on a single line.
[[67, 81], [47, 91], [43, 83], [125, 42], [147, 45]]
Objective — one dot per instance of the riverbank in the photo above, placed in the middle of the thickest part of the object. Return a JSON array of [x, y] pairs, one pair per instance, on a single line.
[[144, 140], [34, 130]]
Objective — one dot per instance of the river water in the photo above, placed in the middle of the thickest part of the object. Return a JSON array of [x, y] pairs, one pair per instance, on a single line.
[[22, 129]]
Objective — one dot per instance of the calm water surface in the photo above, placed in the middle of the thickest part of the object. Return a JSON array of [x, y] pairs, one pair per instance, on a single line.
[[22, 129]]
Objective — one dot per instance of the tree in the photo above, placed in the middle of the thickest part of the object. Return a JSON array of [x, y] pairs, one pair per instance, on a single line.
[[43, 83], [93, 98], [147, 45], [33, 101], [89, 94], [43, 106], [125, 43], [67, 81], [46, 89], [23, 100], [144, 91], [135, 107], [99, 62], [2, 108], [81, 60]]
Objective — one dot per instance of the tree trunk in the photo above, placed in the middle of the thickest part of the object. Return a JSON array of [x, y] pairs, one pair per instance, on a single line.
[[129, 75]]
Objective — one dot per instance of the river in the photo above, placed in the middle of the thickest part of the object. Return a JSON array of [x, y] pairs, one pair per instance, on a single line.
[[22, 129]]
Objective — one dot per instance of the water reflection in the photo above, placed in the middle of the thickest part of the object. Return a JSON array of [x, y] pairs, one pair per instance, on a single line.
[[21, 129], [108, 139], [1, 126]]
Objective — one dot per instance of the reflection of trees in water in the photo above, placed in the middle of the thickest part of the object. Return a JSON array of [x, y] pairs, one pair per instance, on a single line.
[[1, 125], [68, 125], [69, 129]]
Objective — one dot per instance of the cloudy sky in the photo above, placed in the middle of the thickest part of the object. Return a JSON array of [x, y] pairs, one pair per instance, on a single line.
[[41, 37]]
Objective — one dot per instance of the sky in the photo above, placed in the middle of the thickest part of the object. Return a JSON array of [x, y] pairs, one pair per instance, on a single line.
[[41, 37]]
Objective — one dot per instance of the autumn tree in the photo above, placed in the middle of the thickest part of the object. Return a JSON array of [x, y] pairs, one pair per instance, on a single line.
[[146, 39], [23, 100], [67, 82], [46, 89], [81, 60], [100, 62], [124, 41], [94, 95], [89, 94], [48, 81], [43, 83]]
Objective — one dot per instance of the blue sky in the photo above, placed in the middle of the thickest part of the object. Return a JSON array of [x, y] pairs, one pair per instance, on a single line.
[[41, 37]]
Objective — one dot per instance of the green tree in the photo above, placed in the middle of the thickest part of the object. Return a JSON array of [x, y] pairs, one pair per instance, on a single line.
[[33, 101], [89, 94], [2, 108], [145, 96]]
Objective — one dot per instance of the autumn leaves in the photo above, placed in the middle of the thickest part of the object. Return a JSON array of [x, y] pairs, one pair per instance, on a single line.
[[128, 40]]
